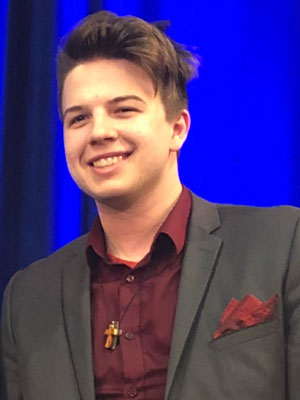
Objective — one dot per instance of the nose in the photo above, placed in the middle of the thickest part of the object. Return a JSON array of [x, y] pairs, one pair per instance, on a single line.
[[103, 128]]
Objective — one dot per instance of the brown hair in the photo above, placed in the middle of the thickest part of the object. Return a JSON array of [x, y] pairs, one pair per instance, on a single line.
[[106, 35]]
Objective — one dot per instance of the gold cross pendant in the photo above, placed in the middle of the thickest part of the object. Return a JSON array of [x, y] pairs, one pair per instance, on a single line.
[[112, 332]]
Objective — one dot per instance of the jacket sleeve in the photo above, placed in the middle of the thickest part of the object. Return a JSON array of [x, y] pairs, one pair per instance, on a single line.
[[291, 295], [10, 387]]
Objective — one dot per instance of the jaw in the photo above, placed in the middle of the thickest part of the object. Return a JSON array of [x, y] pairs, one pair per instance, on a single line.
[[130, 181]]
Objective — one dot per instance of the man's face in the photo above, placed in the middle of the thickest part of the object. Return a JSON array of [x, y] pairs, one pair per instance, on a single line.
[[117, 139]]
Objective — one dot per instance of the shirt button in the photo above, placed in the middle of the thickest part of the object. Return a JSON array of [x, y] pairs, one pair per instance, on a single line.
[[129, 335], [130, 278], [132, 392]]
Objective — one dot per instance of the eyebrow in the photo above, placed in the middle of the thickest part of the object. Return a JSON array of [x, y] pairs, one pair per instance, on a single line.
[[124, 98], [71, 109], [115, 100]]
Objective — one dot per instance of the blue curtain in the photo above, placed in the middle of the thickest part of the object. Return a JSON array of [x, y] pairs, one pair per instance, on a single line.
[[244, 145]]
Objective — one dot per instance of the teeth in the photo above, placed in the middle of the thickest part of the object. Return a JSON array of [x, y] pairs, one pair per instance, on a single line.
[[105, 162]]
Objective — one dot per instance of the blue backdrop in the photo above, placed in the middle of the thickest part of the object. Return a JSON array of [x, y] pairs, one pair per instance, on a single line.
[[244, 145]]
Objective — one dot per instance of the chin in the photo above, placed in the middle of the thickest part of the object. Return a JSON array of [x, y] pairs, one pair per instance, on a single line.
[[101, 191], [109, 196]]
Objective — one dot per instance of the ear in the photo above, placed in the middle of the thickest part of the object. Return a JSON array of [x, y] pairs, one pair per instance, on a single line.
[[180, 126]]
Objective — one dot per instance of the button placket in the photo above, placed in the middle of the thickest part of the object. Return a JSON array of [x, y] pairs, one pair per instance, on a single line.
[[130, 278], [130, 340], [129, 335], [132, 392]]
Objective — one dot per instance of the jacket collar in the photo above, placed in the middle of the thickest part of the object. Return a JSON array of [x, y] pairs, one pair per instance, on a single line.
[[197, 271]]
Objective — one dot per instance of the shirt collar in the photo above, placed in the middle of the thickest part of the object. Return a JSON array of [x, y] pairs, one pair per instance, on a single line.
[[174, 227]]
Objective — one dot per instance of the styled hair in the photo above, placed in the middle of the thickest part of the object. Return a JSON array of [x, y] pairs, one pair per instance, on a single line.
[[106, 35]]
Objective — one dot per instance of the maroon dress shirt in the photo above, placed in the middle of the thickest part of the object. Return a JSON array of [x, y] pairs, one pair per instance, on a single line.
[[143, 299]]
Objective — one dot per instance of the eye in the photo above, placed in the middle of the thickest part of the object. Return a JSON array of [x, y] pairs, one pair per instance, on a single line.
[[77, 119], [126, 111]]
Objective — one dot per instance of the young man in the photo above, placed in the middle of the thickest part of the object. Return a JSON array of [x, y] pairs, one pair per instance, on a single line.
[[168, 296]]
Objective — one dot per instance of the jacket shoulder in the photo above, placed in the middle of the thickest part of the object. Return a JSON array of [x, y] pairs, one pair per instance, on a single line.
[[276, 217], [46, 270], [60, 256], [212, 216]]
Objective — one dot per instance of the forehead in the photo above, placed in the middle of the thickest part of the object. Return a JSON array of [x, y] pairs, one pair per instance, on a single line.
[[104, 79]]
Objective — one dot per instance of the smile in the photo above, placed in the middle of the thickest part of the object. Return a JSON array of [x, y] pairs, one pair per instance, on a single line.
[[106, 162]]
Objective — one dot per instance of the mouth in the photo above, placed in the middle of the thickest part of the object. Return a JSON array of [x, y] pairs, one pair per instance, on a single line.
[[108, 160]]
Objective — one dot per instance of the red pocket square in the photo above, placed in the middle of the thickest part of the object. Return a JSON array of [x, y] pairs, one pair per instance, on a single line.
[[245, 313]]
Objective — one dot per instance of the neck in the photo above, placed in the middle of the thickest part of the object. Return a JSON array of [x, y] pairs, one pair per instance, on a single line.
[[130, 230]]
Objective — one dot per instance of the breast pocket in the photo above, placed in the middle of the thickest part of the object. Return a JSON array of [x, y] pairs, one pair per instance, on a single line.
[[245, 335]]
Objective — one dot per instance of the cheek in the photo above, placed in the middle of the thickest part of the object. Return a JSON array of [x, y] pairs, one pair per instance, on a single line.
[[74, 145]]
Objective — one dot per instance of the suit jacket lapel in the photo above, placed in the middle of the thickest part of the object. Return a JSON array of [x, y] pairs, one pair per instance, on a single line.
[[200, 255], [76, 311]]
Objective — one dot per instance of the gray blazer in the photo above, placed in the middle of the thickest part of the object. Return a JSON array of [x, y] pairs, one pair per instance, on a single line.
[[230, 252]]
